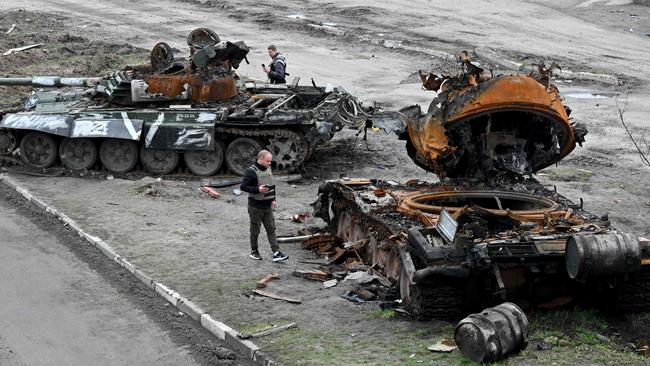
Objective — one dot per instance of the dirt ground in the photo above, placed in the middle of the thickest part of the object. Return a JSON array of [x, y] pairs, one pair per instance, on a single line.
[[198, 245]]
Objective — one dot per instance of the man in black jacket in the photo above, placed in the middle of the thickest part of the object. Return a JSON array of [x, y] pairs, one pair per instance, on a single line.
[[258, 182], [277, 70]]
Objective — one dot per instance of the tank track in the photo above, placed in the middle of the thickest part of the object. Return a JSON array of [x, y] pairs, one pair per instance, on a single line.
[[288, 147], [634, 295], [437, 298]]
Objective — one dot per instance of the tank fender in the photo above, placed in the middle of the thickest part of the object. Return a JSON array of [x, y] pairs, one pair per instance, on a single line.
[[55, 124], [67, 126]]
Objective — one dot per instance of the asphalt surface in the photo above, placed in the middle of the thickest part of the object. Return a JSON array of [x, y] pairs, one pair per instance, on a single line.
[[63, 304]]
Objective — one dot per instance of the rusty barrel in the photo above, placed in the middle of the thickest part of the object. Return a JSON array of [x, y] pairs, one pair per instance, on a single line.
[[493, 333], [591, 256]]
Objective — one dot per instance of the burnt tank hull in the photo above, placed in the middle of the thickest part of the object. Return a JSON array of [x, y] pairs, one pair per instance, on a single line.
[[507, 245]]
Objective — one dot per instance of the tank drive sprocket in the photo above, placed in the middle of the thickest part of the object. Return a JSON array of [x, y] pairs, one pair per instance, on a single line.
[[288, 149]]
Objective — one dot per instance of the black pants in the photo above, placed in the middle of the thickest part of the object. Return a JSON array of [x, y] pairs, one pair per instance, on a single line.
[[258, 217]]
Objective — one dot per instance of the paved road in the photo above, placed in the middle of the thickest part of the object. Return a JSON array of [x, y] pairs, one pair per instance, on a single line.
[[55, 310]]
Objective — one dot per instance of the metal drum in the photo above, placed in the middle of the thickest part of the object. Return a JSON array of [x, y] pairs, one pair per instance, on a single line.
[[612, 254], [492, 334]]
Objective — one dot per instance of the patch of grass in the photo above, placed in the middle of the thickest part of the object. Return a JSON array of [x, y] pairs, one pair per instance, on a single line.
[[248, 284], [586, 336], [383, 313]]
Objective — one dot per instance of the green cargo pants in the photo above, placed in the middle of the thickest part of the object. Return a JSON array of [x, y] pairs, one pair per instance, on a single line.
[[258, 217]]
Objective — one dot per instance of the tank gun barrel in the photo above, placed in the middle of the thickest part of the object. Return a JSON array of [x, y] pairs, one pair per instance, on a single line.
[[50, 81]]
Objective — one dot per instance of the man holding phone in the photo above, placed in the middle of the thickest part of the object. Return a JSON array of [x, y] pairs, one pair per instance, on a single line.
[[277, 70], [258, 182]]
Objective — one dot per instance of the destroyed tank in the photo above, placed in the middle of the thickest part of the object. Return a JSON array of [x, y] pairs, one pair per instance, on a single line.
[[486, 233], [196, 110]]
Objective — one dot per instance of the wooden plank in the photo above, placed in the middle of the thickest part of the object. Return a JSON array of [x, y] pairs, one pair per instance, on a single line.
[[273, 295], [266, 279], [312, 274]]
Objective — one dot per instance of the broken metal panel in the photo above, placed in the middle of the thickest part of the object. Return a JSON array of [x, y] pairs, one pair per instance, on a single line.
[[56, 124]]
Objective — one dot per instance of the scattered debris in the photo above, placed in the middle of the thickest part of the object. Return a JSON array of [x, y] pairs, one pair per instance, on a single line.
[[273, 295], [266, 279], [11, 29], [236, 192], [359, 277], [364, 294], [312, 274], [300, 217], [352, 297], [444, 345], [210, 191], [19, 49], [274, 329], [330, 283]]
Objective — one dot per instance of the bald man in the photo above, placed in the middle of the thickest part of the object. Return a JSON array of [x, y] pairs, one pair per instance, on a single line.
[[258, 182]]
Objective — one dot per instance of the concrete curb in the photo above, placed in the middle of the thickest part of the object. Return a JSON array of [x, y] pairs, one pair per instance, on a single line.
[[217, 328]]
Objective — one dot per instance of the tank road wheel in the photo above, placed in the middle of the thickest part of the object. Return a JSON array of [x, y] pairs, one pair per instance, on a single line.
[[158, 161], [288, 151], [118, 156], [78, 154], [8, 142], [38, 150], [241, 153], [205, 162]]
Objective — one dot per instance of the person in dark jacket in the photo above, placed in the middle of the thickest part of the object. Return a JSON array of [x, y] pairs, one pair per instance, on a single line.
[[258, 182], [277, 70]]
